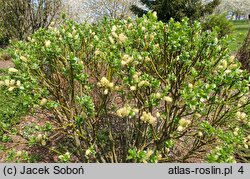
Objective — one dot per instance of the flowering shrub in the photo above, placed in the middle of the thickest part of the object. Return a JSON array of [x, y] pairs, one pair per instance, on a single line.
[[138, 91], [13, 105]]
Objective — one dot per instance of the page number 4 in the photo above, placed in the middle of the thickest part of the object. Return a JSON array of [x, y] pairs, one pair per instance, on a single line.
[[241, 170]]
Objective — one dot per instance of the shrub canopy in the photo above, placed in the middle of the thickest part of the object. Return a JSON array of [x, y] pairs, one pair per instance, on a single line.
[[138, 91]]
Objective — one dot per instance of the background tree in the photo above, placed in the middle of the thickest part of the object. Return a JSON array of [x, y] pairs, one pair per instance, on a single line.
[[20, 18], [74, 9], [117, 9], [93, 10], [237, 8], [176, 9], [3, 39]]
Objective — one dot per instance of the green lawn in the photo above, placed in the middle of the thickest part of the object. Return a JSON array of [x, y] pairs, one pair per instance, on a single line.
[[240, 31], [3, 52]]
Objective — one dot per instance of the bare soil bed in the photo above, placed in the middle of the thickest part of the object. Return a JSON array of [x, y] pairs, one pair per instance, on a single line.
[[6, 64]]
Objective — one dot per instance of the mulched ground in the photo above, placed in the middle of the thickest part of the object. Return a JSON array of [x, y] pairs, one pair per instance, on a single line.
[[20, 143], [6, 64]]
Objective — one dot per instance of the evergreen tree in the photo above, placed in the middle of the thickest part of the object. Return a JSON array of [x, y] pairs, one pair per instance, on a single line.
[[176, 9]]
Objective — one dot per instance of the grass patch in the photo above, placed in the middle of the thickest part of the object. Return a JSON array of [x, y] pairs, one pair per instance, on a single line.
[[3, 51], [238, 36], [4, 54]]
